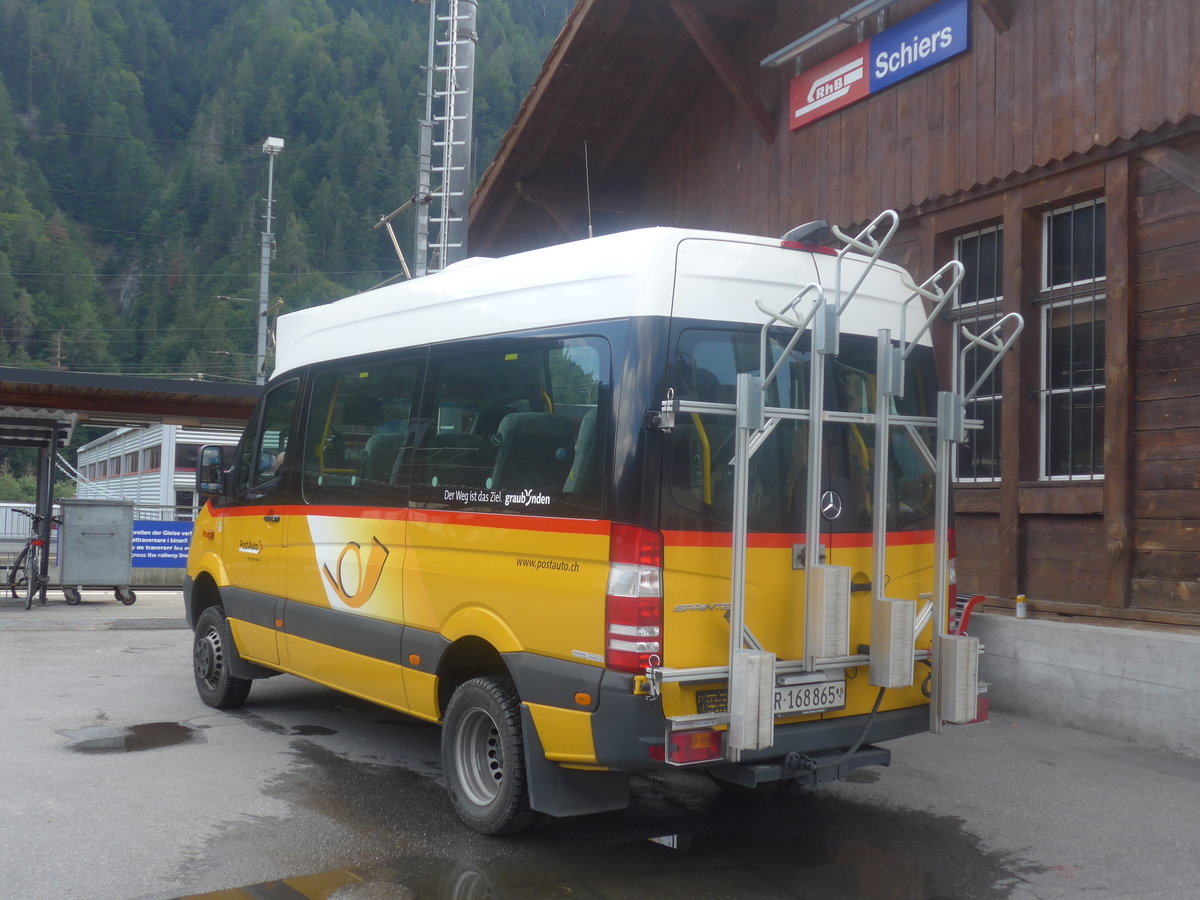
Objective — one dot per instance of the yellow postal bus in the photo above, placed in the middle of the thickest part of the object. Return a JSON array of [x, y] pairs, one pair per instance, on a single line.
[[524, 499]]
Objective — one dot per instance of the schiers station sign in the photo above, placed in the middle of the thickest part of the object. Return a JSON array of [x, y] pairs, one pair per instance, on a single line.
[[918, 43]]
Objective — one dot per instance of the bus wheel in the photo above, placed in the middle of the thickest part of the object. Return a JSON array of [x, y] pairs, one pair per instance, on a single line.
[[483, 757], [211, 652]]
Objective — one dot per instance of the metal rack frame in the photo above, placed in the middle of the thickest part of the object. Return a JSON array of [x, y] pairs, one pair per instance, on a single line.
[[752, 671]]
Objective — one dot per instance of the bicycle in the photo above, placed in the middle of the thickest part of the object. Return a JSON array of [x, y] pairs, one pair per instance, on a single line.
[[25, 574]]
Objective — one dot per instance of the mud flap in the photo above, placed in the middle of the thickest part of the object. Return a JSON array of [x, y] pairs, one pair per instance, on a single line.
[[239, 668], [556, 791]]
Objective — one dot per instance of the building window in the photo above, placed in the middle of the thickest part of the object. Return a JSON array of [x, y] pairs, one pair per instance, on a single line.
[[976, 308], [115, 466], [186, 456], [102, 469], [131, 462], [153, 457], [1071, 306]]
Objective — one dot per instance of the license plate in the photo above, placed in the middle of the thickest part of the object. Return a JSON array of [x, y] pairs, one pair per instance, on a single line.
[[795, 699], [814, 697]]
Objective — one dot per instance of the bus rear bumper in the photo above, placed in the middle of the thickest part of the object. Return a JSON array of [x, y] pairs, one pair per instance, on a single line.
[[627, 726], [807, 768]]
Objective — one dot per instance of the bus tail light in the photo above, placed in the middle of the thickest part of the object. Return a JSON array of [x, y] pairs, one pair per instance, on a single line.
[[633, 607], [700, 745]]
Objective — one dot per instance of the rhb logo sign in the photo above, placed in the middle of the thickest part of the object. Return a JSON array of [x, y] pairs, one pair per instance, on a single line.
[[826, 88], [918, 43]]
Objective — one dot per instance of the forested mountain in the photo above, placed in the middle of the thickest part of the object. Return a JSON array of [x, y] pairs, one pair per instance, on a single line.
[[132, 178]]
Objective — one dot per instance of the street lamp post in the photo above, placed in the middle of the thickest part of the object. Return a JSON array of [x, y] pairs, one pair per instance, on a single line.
[[272, 146]]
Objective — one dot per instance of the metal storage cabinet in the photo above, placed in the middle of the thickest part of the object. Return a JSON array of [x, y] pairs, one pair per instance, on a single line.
[[96, 548]]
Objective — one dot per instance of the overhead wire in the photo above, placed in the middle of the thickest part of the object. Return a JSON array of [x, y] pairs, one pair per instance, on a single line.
[[243, 148]]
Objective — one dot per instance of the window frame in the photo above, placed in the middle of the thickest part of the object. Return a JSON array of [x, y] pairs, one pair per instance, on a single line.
[[358, 491], [988, 310], [1053, 296]]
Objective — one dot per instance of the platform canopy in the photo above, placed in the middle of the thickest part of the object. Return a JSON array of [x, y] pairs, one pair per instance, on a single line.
[[38, 406], [37, 428]]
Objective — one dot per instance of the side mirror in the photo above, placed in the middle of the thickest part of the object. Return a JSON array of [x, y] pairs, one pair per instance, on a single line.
[[210, 470]]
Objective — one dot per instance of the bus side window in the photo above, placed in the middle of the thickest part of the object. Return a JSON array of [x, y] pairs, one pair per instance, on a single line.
[[264, 451], [358, 433], [516, 427]]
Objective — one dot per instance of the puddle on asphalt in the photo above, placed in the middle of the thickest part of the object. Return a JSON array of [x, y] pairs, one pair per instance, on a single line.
[[130, 738], [311, 730], [718, 864], [681, 837]]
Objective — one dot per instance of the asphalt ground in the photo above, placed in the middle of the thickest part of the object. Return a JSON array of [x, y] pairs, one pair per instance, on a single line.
[[117, 783], [98, 610]]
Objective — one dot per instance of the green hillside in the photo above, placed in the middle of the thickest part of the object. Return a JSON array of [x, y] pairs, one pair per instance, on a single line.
[[132, 179]]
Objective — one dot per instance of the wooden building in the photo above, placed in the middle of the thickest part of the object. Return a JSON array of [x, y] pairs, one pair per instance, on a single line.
[[1057, 155]]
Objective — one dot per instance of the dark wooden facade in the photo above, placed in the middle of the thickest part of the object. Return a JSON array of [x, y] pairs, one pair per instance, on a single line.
[[1056, 101]]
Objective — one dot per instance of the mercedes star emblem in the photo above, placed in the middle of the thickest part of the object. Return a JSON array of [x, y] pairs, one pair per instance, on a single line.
[[831, 505]]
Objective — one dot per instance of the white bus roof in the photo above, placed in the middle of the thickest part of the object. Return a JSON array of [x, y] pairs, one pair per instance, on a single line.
[[649, 272]]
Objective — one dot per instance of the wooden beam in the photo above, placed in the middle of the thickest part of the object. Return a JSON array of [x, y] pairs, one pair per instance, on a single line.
[[760, 12], [1075, 612], [1183, 168], [610, 14], [1014, 414], [554, 211], [719, 58], [482, 244], [650, 91], [999, 18], [576, 198], [1119, 327]]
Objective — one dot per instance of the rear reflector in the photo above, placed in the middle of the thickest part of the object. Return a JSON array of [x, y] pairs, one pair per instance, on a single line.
[[703, 745]]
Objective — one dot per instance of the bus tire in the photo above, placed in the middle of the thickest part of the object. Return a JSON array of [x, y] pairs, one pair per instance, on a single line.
[[483, 757], [212, 649]]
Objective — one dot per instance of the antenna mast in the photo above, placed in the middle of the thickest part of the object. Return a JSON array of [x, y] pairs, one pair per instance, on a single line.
[[449, 100]]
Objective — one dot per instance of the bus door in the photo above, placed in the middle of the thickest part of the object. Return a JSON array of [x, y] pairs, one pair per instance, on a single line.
[[345, 612], [253, 525]]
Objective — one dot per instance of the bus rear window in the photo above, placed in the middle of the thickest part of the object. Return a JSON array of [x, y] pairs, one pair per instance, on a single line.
[[700, 470]]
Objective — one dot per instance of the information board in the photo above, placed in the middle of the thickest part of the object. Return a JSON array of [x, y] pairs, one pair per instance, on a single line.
[[160, 545]]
